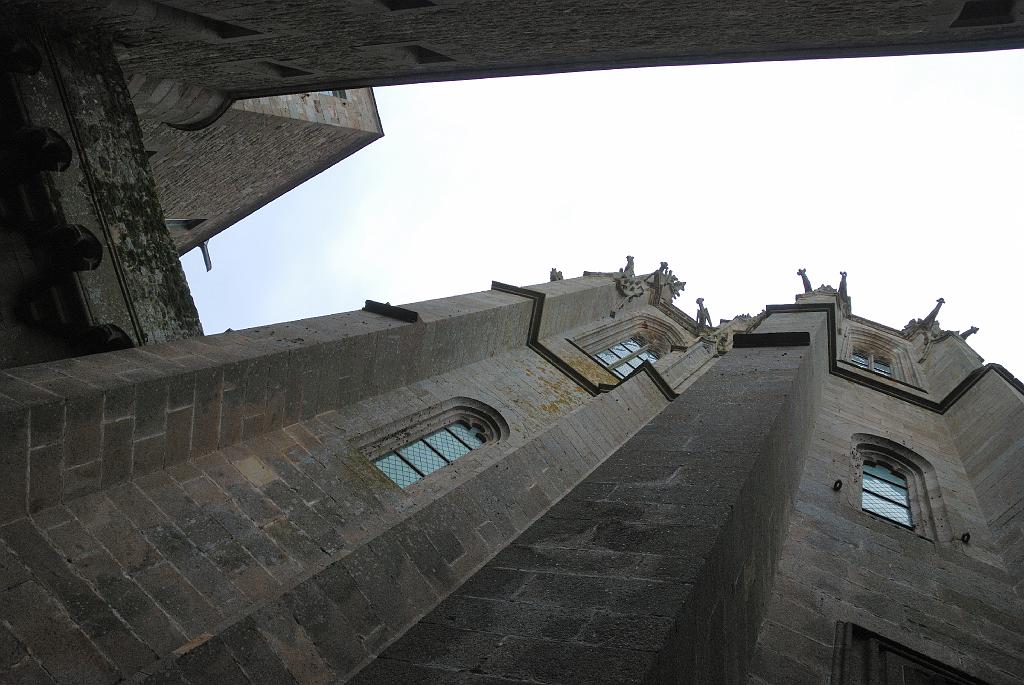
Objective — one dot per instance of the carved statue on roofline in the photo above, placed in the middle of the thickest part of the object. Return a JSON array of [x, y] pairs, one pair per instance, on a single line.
[[628, 269], [626, 282], [556, 275], [703, 315], [802, 273], [664, 277]]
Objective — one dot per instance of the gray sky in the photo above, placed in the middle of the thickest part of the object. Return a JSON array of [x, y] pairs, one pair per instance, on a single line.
[[905, 172]]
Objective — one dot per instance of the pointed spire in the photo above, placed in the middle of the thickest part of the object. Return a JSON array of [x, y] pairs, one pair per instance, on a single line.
[[664, 277], [969, 332], [802, 273], [930, 319]]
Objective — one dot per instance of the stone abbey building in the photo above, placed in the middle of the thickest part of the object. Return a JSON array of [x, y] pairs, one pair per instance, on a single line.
[[574, 482]]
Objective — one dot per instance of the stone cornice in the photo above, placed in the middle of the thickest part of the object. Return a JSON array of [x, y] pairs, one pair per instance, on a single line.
[[940, 407]]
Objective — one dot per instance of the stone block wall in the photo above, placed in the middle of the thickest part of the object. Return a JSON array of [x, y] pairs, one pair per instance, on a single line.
[[138, 285], [948, 361], [656, 567], [208, 510], [254, 153], [987, 425], [95, 421], [940, 597], [202, 510], [263, 48]]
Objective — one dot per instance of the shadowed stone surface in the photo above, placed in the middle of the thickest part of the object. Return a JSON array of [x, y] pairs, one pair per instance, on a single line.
[[616, 581]]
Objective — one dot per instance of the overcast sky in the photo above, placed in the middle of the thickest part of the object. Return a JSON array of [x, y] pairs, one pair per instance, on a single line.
[[905, 172]]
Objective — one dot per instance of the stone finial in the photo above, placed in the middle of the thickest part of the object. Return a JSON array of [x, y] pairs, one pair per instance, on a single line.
[[842, 286], [556, 275], [930, 319], [802, 273], [664, 277], [969, 332], [703, 315]]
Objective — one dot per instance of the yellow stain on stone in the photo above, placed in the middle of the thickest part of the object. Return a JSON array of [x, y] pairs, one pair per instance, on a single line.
[[255, 471], [567, 395], [590, 369]]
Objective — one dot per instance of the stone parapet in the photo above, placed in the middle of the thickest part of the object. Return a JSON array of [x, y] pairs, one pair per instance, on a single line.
[[77, 425], [210, 508]]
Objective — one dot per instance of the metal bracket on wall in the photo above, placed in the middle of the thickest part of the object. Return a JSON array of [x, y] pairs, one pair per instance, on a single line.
[[392, 312], [205, 249]]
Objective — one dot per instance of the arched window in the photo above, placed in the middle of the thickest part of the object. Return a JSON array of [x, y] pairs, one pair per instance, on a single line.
[[884, 492], [411, 448], [622, 346], [623, 358], [418, 459], [898, 485], [871, 361], [878, 352]]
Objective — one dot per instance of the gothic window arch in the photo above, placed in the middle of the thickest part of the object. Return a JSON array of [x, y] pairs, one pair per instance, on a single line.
[[885, 492], [866, 358], [412, 462], [409, 450], [897, 484], [623, 345], [623, 358], [879, 354]]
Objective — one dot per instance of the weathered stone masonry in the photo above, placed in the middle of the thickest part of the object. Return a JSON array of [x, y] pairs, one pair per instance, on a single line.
[[203, 510], [658, 564], [138, 285], [209, 486], [233, 50], [952, 601], [255, 152]]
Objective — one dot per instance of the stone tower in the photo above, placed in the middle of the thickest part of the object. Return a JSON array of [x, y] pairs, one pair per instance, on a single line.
[[574, 482]]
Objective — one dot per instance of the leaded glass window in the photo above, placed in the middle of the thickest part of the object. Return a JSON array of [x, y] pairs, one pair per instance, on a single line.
[[872, 362], [418, 459], [885, 493], [623, 358]]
